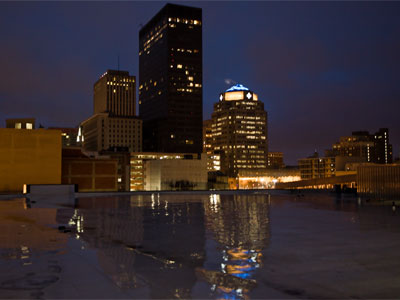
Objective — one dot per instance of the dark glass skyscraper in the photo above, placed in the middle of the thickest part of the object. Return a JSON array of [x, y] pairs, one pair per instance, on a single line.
[[170, 80]]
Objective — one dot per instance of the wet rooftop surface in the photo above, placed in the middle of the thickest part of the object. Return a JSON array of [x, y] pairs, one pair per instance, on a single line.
[[236, 246]]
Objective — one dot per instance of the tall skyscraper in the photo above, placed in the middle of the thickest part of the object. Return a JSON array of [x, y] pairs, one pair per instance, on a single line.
[[170, 80], [239, 132], [114, 125]]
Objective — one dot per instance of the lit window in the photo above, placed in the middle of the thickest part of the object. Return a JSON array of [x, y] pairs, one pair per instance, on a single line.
[[179, 66], [29, 126], [18, 125]]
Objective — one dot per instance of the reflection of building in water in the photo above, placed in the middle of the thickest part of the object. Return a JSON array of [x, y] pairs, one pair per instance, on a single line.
[[24, 229], [240, 224], [114, 227], [142, 239]]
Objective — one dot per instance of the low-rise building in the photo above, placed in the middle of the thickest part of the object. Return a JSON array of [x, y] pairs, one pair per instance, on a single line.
[[29, 157], [176, 174], [324, 167], [90, 174], [145, 176]]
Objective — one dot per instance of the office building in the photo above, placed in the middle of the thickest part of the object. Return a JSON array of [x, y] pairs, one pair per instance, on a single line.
[[170, 80], [383, 150], [275, 160], [317, 167], [213, 159], [115, 93], [323, 167], [207, 136], [373, 148], [239, 132], [113, 126], [101, 132]]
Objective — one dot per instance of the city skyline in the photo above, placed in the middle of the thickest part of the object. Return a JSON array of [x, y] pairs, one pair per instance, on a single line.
[[344, 53]]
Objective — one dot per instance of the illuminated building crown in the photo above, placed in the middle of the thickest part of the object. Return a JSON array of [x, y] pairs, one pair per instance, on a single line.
[[237, 87]]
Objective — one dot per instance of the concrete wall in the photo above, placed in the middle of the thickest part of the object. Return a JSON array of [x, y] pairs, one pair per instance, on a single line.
[[29, 157], [169, 174]]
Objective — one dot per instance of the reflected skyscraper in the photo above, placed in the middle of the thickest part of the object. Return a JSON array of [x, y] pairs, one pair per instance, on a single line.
[[142, 239], [240, 225]]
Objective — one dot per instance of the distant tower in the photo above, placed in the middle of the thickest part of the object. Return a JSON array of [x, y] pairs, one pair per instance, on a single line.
[[239, 132], [115, 94], [114, 125], [170, 80]]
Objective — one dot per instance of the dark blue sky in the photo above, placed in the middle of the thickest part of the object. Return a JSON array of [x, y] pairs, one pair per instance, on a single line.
[[323, 69]]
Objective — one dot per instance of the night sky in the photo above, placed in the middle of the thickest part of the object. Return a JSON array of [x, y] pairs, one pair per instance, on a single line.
[[323, 69]]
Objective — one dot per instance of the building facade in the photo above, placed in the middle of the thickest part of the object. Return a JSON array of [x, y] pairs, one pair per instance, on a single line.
[[170, 80], [317, 167], [101, 132], [374, 148], [114, 125], [176, 174], [275, 160], [140, 175], [239, 132], [115, 93], [29, 157]]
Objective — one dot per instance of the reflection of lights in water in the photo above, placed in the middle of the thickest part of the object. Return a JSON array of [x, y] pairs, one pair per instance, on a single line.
[[153, 202], [76, 220], [166, 208], [240, 263], [215, 202], [25, 255]]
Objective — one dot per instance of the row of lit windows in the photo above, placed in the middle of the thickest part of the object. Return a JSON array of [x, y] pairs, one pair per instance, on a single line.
[[185, 21], [117, 84], [251, 166], [154, 36], [186, 50], [247, 132], [249, 117], [184, 90], [253, 137]]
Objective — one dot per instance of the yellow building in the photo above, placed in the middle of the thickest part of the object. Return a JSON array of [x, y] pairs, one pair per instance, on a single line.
[[29, 157]]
